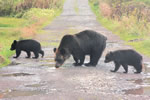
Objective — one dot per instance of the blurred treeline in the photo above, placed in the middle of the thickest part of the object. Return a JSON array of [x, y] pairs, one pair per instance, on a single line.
[[19, 7]]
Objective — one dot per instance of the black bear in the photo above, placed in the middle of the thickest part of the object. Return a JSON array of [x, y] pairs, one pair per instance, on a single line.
[[125, 58], [28, 46], [87, 42]]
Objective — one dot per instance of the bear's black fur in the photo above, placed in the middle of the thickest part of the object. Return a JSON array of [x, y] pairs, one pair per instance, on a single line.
[[87, 42], [125, 58], [28, 46]]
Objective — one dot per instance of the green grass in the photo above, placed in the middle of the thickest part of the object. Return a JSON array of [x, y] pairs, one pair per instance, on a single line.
[[12, 22], [32, 20], [43, 16], [135, 30], [10, 28], [142, 46], [9, 32], [145, 1]]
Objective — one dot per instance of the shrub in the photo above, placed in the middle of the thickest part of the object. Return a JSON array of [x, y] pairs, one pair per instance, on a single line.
[[6, 7], [19, 7], [130, 19], [116, 9]]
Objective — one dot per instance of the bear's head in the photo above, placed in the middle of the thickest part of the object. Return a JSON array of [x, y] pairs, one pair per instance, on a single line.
[[109, 57], [13, 45], [60, 56]]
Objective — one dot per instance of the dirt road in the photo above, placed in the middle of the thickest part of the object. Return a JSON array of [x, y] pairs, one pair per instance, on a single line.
[[30, 79]]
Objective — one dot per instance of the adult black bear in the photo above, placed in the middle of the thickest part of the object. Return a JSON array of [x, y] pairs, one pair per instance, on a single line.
[[27, 46], [125, 58], [87, 42]]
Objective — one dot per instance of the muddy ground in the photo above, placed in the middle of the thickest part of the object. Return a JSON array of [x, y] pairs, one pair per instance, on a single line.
[[37, 79]]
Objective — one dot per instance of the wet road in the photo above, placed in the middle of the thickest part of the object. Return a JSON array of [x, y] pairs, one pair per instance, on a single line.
[[30, 79]]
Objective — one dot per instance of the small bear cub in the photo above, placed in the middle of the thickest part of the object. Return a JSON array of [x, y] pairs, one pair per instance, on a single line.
[[125, 58], [28, 46]]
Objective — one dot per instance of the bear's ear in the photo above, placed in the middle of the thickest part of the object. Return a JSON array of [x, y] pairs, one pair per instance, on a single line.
[[54, 50], [15, 41], [62, 51]]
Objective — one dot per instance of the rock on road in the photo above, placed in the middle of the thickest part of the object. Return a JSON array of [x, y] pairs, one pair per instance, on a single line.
[[37, 79]]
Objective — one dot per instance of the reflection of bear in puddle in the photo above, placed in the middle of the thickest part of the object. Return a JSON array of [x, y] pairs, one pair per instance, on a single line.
[[125, 58], [87, 42]]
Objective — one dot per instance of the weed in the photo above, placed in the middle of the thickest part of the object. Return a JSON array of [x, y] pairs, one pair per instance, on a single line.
[[30, 24], [17, 8], [130, 21]]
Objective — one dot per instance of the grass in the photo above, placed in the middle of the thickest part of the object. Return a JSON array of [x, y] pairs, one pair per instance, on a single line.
[[41, 17], [11, 22], [142, 46], [128, 29], [19, 28], [8, 32], [145, 1], [27, 22]]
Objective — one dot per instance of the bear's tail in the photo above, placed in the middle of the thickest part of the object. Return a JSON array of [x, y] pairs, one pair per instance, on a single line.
[[42, 53]]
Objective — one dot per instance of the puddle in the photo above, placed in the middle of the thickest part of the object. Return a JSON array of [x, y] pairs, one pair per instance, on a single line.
[[35, 85], [49, 65], [147, 64], [17, 74], [18, 93], [137, 81], [13, 63], [144, 84], [48, 62], [147, 70], [139, 91], [147, 81], [112, 44]]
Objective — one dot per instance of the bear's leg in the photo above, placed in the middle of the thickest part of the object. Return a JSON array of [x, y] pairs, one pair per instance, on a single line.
[[93, 61], [125, 66], [17, 53], [138, 68], [81, 60], [76, 61], [94, 57], [42, 53], [117, 65], [28, 54], [36, 55]]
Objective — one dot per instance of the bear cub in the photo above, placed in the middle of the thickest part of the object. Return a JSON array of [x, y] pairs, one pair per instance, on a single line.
[[86, 42], [125, 58], [28, 46]]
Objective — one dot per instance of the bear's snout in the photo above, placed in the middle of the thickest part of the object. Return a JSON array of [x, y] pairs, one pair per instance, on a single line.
[[11, 49], [57, 65]]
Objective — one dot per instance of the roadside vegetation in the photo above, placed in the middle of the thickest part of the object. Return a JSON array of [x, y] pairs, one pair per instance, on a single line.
[[130, 19], [20, 19]]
